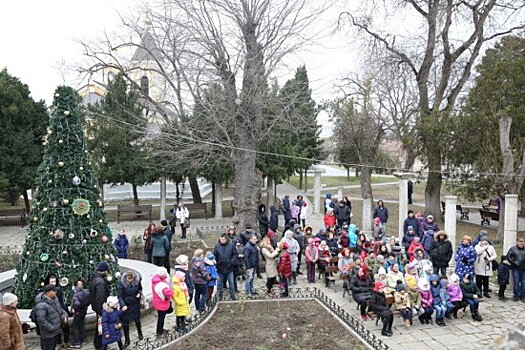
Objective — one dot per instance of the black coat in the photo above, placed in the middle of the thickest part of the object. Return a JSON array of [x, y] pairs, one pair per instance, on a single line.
[[274, 219], [225, 256], [127, 296], [98, 293], [342, 213], [441, 253], [378, 304], [262, 217], [361, 288]]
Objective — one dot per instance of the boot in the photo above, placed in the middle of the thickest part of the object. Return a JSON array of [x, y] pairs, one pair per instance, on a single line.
[[139, 330], [384, 331], [503, 298], [455, 313], [487, 295], [421, 319], [476, 316], [125, 327], [389, 328]]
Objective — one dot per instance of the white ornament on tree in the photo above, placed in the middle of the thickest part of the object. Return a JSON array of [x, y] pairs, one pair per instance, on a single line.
[[60, 164], [76, 180]]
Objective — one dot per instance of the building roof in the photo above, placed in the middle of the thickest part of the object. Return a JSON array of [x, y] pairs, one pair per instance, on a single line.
[[147, 50]]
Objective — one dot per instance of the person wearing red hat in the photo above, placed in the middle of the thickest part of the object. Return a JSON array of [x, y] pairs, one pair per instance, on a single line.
[[284, 269], [378, 231], [380, 308]]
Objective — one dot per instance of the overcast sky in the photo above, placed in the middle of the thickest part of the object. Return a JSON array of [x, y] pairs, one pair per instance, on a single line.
[[38, 45]]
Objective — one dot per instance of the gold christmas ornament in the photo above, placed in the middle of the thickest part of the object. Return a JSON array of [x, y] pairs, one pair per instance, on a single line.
[[65, 201]]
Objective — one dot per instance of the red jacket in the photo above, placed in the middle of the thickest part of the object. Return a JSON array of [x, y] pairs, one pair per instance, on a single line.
[[329, 220], [413, 246], [285, 265]]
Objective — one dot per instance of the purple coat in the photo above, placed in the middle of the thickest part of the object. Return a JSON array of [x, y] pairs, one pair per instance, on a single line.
[[426, 298], [454, 292]]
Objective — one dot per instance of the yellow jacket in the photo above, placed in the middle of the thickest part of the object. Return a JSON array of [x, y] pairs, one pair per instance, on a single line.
[[182, 307]]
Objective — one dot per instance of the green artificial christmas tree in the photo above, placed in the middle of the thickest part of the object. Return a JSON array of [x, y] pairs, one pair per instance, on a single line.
[[69, 233]]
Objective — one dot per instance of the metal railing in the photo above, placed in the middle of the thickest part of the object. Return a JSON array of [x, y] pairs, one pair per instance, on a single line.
[[356, 327]]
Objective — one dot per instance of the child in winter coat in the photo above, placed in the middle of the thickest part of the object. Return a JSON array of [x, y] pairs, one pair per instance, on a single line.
[[437, 301], [471, 294], [381, 277], [426, 301], [352, 235], [455, 293], [311, 256], [412, 291], [324, 259], [445, 296], [180, 298], [503, 277], [285, 269], [415, 244], [402, 303], [329, 219], [110, 323], [121, 244], [79, 308], [378, 231], [209, 262], [303, 215]]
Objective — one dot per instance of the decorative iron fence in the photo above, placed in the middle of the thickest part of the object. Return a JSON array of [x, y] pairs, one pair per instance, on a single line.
[[353, 323]]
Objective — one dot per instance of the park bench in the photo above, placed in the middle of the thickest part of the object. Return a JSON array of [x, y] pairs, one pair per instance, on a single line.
[[196, 207], [18, 213], [463, 212], [489, 212], [134, 210]]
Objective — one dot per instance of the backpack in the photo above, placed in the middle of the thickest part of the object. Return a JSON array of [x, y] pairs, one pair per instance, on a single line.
[[32, 317]]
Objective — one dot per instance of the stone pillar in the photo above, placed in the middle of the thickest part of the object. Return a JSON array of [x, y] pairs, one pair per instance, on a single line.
[[162, 198], [270, 194], [317, 191], [218, 200], [367, 215], [403, 205], [340, 192], [510, 227], [450, 225]]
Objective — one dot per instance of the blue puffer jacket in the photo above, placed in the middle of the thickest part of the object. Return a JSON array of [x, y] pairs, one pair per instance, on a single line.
[[110, 319], [121, 244], [465, 257], [274, 218]]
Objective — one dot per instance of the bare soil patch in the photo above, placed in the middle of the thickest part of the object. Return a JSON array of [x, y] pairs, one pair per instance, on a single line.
[[275, 325]]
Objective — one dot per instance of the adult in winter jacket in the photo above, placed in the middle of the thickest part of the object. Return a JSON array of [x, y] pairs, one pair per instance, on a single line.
[[408, 237], [516, 257], [465, 257], [129, 294], [262, 217], [393, 277], [11, 335], [251, 262], [428, 240], [294, 250], [427, 224], [183, 215], [411, 220], [146, 237], [160, 246], [273, 224], [111, 323], [200, 278], [161, 297], [485, 256], [287, 209], [226, 259], [381, 212], [380, 308], [121, 244], [342, 214], [299, 238], [98, 293], [440, 253], [270, 254], [79, 307], [49, 317], [361, 287]]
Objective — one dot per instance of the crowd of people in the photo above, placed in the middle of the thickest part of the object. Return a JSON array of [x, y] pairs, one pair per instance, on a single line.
[[384, 275]]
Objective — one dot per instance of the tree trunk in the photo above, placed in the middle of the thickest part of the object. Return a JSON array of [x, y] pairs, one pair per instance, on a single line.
[[135, 194], [300, 179], [433, 188], [305, 180], [270, 194], [366, 182], [213, 189], [356, 171], [177, 192], [162, 198], [348, 173], [247, 184], [26, 202], [195, 191], [522, 200], [501, 224]]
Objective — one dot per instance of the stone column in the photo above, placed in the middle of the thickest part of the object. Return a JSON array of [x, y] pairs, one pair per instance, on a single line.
[[162, 198], [450, 225], [317, 191], [270, 194], [340, 192], [403, 205], [510, 227], [218, 200], [367, 215]]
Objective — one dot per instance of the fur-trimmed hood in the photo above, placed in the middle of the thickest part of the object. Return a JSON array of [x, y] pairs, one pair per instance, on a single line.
[[135, 281], [439, 233]]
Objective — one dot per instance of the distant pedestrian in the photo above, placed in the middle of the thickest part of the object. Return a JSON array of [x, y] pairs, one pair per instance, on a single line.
[[121, 244], [146, 237], [262, 217], [381, 212], [79, 307], [183, 217]]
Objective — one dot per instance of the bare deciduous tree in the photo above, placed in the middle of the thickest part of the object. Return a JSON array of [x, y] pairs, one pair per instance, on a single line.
[[439, 51], [195, 43]]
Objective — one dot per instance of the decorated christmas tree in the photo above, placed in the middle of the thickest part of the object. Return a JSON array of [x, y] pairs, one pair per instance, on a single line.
[[68, 233]]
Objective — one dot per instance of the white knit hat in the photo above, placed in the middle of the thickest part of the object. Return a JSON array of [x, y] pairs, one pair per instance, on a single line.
[[8, 299], [182, 259], [161, 271], [112, 302]]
